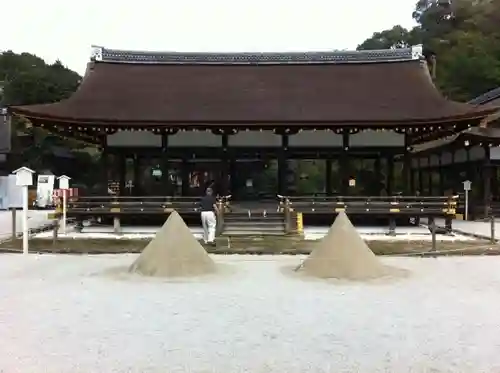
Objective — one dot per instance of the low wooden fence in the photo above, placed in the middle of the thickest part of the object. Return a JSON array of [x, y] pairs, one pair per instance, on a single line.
[[393, 206], [116, 207], [367, 205], [111, 205], [478, 209]]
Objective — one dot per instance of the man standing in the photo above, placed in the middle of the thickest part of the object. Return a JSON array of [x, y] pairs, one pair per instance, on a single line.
[[208, 218]]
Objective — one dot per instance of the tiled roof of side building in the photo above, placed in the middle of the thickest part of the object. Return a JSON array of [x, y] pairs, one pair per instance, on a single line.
[[486, 97]]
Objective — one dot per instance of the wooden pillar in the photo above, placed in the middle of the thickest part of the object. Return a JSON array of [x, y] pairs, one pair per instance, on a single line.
[[225, 172], [390, 175], [104, 166], [137, 176], [413, 181], [467, 163], [420, 176], [165, 180], [441, 176], [487, 171], [122, 170], [283, 166], [185, 176], [378, 175], [407, 170], [232, 173], [494, 181], [452, 169], [328, 176], [429, 175], [344, 164]]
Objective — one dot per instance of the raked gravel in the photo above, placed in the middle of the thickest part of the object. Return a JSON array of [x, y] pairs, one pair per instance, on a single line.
[[60, 314]]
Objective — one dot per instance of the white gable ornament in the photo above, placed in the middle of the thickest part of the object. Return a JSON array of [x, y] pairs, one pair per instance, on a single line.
[[417, 52], [96, 53]]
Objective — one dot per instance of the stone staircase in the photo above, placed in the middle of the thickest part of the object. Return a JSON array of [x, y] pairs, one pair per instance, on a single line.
[[254, 223]]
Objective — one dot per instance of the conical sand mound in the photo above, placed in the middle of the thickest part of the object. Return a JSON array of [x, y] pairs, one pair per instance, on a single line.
[[173, 252], [343, 254]]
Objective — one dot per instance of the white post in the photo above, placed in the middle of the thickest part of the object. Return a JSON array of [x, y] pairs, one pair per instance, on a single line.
[[467, 188], [64, 186], [466, 204], [64, 211], [24, 178], [25, 220]]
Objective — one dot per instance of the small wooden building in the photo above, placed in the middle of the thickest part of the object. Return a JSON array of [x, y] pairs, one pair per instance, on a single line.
[[172, 123], [472, 154]]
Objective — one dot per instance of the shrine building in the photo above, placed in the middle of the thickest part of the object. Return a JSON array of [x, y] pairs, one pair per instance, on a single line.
[[172, 123]]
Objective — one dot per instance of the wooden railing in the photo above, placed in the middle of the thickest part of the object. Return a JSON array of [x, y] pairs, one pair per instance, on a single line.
[[131, 205], [357, 205], [478, 209], [391, 207], [116, 207], [423, 206]]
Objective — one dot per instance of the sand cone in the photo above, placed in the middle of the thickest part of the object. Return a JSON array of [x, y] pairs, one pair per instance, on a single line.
[[173, 252], [343, 254]]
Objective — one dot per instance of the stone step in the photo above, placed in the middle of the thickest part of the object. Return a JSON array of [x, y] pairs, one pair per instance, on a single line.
[[255, 213], [273, 219], [249, 230], [257, 223], [241, 224], [234, 232]]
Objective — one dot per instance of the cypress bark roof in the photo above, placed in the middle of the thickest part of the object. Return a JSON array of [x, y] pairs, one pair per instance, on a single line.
[[474, 135], [339, 88]]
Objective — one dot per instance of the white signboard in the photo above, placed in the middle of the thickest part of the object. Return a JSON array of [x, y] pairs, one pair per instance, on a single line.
[[4, 192], [15, 193], [44, 189], [24, 176]]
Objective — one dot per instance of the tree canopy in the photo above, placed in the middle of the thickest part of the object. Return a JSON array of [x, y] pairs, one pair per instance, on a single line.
[[27, 79], [396, 37], [462, 34]]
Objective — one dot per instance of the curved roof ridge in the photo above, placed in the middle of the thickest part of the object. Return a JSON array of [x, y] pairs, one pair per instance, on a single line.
[[486, 97], [102, 54]]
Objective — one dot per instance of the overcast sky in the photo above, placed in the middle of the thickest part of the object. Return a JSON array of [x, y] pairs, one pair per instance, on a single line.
[[65, 29]]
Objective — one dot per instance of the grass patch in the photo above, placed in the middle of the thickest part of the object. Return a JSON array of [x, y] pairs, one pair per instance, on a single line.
[[248, 245]]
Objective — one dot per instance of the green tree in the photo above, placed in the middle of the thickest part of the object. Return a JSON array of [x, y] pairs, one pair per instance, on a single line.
[[469, 66], [39, 84], [27, 79], [462, 34], [396, 37]]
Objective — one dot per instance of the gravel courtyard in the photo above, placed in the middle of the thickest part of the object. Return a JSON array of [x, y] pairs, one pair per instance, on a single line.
[[69, 314]]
